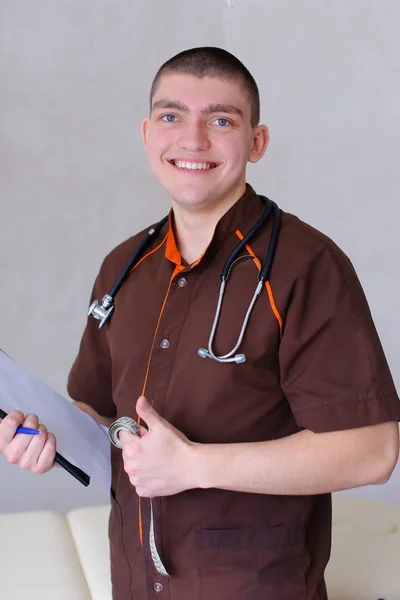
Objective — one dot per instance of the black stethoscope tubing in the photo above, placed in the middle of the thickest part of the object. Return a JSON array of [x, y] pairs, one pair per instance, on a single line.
[[102, 311], [136, 256], [264, 274]]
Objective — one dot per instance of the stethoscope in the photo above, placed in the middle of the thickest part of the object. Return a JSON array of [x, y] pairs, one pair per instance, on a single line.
[[103, 310]]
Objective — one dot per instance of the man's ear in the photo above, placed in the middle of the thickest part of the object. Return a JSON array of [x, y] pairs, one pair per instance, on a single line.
[[145, 129], [260, 143]]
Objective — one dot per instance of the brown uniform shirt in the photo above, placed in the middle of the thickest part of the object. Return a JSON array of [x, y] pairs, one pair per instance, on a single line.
[[314, 361]]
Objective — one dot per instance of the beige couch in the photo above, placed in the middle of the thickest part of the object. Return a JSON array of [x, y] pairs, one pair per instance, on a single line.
[[45, 556]]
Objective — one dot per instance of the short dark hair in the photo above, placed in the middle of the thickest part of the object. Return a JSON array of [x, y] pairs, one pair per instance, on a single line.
[[208, 61]]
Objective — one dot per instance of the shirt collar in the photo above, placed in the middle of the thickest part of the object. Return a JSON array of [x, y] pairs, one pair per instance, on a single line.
[[242, 215]]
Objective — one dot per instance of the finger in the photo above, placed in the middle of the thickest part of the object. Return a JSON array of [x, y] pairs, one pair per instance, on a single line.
[[8, 426], [128, 439], [147, 412], [14, 414], [29, 457], [45, 460], [21, 441], [31, 421]]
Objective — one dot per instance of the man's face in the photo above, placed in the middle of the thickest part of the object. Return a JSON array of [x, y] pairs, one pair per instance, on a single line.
[[199, 139]]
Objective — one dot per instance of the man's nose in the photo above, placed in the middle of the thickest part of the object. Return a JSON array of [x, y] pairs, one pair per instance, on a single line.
[[194, 137]]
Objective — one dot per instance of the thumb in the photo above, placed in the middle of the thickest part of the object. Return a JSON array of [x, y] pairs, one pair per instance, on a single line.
[[146, 412]]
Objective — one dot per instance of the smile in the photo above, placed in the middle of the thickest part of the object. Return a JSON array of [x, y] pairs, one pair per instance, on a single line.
[[193, 166]]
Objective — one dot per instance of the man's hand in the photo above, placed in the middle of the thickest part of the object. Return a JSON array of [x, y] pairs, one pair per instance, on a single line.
[[161, 461], [34, 453]]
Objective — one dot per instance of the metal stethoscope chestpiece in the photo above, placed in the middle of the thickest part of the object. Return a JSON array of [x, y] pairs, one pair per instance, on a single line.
[[102, 312]]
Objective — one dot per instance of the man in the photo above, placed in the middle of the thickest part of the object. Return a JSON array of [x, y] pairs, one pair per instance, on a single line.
[[238, 459]]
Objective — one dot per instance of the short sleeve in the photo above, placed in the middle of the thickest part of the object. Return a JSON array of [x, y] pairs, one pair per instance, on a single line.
[[334, 373], [90, 377]]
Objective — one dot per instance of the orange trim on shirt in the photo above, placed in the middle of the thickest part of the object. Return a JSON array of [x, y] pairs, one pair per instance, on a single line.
[[267, 284], [171, 250], [140, 522], [148, 254], [273, 306], [199, 259], [177, 270]]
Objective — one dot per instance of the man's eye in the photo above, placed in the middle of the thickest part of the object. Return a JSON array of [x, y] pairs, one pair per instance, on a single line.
[[222, 122], [168, 118]]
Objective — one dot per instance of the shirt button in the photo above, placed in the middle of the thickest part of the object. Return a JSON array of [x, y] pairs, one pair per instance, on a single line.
[[182, 282], [164, 344], [157, 587]]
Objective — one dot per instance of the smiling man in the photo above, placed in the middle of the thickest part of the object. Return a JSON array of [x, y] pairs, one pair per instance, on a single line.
[[238, 458], [202, 131]]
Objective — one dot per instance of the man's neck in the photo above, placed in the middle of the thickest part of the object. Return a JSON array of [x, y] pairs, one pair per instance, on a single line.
[[194, 229], [193, 235]]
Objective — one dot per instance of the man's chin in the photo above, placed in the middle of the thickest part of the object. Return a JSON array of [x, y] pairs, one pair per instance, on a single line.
[[191, 198]]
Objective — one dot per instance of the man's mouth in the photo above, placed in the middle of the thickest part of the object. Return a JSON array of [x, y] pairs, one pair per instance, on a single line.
[[193, 166]]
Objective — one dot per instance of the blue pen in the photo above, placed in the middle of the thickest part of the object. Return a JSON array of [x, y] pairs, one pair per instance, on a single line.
[[27, 430], [20, 429]]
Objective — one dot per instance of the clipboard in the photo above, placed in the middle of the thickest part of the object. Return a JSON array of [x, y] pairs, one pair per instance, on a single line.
[[83, 444]]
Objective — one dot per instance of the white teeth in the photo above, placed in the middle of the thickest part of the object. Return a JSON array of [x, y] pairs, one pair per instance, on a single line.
[[192, 166]]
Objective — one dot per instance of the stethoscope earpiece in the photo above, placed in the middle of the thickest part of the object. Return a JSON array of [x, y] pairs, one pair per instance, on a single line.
[[238, 358]]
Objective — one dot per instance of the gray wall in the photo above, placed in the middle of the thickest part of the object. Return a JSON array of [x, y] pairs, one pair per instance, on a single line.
[[74, 81]]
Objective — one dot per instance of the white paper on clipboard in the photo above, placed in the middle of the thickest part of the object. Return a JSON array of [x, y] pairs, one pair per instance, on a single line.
[[80, 439]]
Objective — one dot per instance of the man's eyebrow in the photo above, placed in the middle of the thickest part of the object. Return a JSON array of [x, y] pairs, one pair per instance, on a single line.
[[165, 103], [222, 108], [173, 104]]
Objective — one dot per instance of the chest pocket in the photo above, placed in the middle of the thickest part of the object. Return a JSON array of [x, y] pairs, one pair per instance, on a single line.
[[251, 564]]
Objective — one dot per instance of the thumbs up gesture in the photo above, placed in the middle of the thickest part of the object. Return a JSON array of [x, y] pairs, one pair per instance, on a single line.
[[161, 461]]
